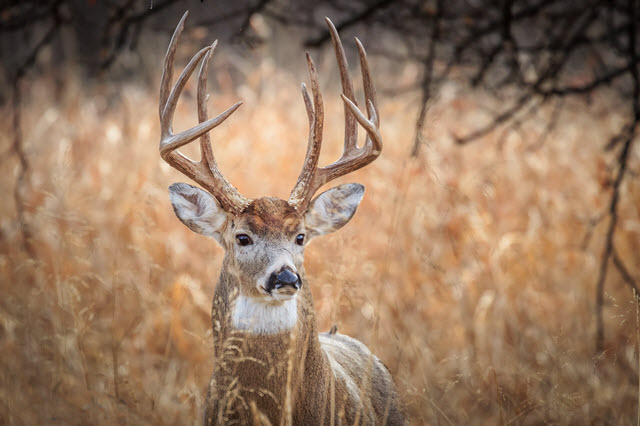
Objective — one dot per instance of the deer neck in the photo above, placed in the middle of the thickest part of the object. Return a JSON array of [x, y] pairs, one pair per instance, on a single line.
[[279, 363], [267, 329], [237, 312]]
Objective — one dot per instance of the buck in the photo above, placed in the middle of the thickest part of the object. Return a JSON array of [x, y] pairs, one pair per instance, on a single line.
[[270, 364]]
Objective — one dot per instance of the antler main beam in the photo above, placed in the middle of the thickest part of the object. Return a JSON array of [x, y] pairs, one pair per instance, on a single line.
[[205, 171], [353, 158]]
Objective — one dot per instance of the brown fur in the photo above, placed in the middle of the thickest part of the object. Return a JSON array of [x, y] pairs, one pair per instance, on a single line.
[[295, 376], [268, 215]]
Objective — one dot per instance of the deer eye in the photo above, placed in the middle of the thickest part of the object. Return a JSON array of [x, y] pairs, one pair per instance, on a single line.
[[300, 239], [243, 239]]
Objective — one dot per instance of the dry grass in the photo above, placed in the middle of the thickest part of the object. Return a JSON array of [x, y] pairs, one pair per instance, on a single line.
[[466, 271]]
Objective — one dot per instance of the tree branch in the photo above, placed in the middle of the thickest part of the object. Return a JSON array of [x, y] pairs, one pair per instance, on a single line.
[[608, 251], [363, 15]]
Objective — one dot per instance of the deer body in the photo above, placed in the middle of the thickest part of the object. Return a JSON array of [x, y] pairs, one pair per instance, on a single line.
[[271, 366]]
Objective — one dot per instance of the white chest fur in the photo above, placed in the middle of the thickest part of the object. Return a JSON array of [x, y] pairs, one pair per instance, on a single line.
[[255, 316]]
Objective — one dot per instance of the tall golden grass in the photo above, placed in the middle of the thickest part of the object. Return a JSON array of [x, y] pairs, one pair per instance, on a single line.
[[470, 271]]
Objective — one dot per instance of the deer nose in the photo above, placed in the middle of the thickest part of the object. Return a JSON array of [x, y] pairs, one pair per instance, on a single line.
[[287, 277]]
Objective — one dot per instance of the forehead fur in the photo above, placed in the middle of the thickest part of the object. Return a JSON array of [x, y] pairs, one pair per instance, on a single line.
[[268, 214]]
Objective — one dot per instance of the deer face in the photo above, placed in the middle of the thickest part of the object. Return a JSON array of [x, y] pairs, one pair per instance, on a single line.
[[264, 238], [265, 243]]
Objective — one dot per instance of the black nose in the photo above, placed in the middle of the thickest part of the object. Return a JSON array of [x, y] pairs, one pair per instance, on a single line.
[[287, 277]]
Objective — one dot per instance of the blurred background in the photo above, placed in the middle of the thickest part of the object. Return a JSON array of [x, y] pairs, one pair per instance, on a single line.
[[493, 264]]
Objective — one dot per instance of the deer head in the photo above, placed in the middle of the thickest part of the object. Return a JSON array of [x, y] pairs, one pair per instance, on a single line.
[[265, 238]]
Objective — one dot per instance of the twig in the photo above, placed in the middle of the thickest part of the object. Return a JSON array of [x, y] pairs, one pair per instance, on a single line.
[[23, 169], [259, 6], [33, 15], [590, 86], [119, 17], [496, 122], [591, 226], [624, 272], [17, 146], [609, 239], [427, 81], [549, 128], [357, 18], [608, 250]]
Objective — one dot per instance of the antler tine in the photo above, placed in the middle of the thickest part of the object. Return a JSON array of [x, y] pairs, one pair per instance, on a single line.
[[170, 106], [371, 125], [307, 104], [350, 129], [316, 122], [206, 171], [312, 177], [167, 71], [369, 89]]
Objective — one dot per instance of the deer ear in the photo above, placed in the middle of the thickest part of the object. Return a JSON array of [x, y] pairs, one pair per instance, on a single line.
[[198, 209], [332, 209]]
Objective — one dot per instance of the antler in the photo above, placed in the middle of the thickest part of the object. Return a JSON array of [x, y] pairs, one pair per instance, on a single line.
[[206, 171], [353, 158]]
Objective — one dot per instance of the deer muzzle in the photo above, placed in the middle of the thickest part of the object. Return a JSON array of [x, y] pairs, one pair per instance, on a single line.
[[285, 282]]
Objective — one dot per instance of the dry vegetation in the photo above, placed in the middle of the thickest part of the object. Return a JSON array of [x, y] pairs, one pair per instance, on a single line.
[[469, 271]]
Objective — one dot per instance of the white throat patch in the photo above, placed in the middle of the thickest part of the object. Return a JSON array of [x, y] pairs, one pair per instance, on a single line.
[[256, 316]]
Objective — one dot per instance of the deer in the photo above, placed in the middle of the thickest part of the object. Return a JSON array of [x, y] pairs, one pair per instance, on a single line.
[[271, 365]]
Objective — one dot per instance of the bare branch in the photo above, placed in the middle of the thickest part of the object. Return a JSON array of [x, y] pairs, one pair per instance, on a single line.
[[624, 272], [608, 251], [427, 80], [355, 19]]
